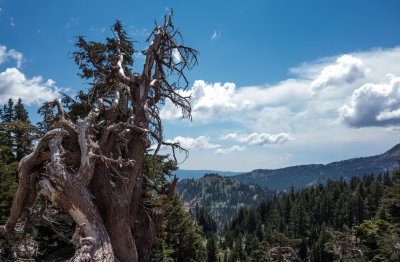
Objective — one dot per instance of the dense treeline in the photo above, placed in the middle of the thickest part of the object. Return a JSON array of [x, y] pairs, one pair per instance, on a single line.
[[186, 236], [222, 197], [180, 238], [16, 135], [307, 221]]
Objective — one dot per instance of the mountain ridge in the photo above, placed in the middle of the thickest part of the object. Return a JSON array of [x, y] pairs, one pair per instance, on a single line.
[[196, 174], [220, 196], [313, 174]]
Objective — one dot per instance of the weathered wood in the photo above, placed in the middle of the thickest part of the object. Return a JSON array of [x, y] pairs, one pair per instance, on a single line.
[[92, 169]]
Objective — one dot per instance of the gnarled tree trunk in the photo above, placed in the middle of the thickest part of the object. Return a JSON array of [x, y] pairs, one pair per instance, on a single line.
[[92, 167]]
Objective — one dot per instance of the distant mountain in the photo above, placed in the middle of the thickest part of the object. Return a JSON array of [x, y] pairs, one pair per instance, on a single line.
[[309, 175], [221, 196], [196, 174]]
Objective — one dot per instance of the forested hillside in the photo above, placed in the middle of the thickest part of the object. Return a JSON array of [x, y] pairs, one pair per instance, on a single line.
[[325, 223], [312, 175], [220, 196]]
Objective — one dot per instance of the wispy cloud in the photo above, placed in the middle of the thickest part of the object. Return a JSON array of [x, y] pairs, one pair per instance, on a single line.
[[142, 32], [72, 21], [99, 30], [176, 56], [229, 150], [139, 55], [215, 35], [259, 139]]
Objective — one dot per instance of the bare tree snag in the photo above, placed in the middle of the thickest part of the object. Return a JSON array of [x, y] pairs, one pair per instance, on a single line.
[[89, 164], [280, 254]]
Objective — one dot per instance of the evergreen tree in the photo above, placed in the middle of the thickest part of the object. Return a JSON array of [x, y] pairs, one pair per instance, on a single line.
[[23, 131], [318, 252], [390, 208], [211, 249], [6, 119], [16, 137], [204, 220], [180, 238]]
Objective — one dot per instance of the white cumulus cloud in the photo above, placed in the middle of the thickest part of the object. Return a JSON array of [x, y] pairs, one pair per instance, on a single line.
[[190, 143], [346, 70], [207, 100], [14, 84], [231, 149], [223, 102], [374, 104]]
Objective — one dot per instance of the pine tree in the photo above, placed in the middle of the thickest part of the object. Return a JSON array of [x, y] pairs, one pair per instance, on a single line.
[[23, 130], [211, 249], [391, 200], [318, 252], [6, 119], [16, 136], [180, 238]]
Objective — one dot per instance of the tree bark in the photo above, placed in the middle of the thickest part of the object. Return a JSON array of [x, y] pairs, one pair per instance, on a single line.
[[92, 168]]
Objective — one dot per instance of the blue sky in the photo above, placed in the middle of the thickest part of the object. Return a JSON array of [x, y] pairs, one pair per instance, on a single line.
[[279, 83]]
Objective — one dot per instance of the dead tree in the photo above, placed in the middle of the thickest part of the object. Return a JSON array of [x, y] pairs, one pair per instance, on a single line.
[[345, 245], [92, 168], [282, 254]]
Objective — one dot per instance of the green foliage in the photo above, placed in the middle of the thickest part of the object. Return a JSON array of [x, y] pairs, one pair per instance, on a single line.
[[158, 168], [204, 220], [16, 137], [380, 240], [318, 252], [390, 209], [211, 248], [99, 62], [8, 187], [305, 219], [380, 237], [180, 239]]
